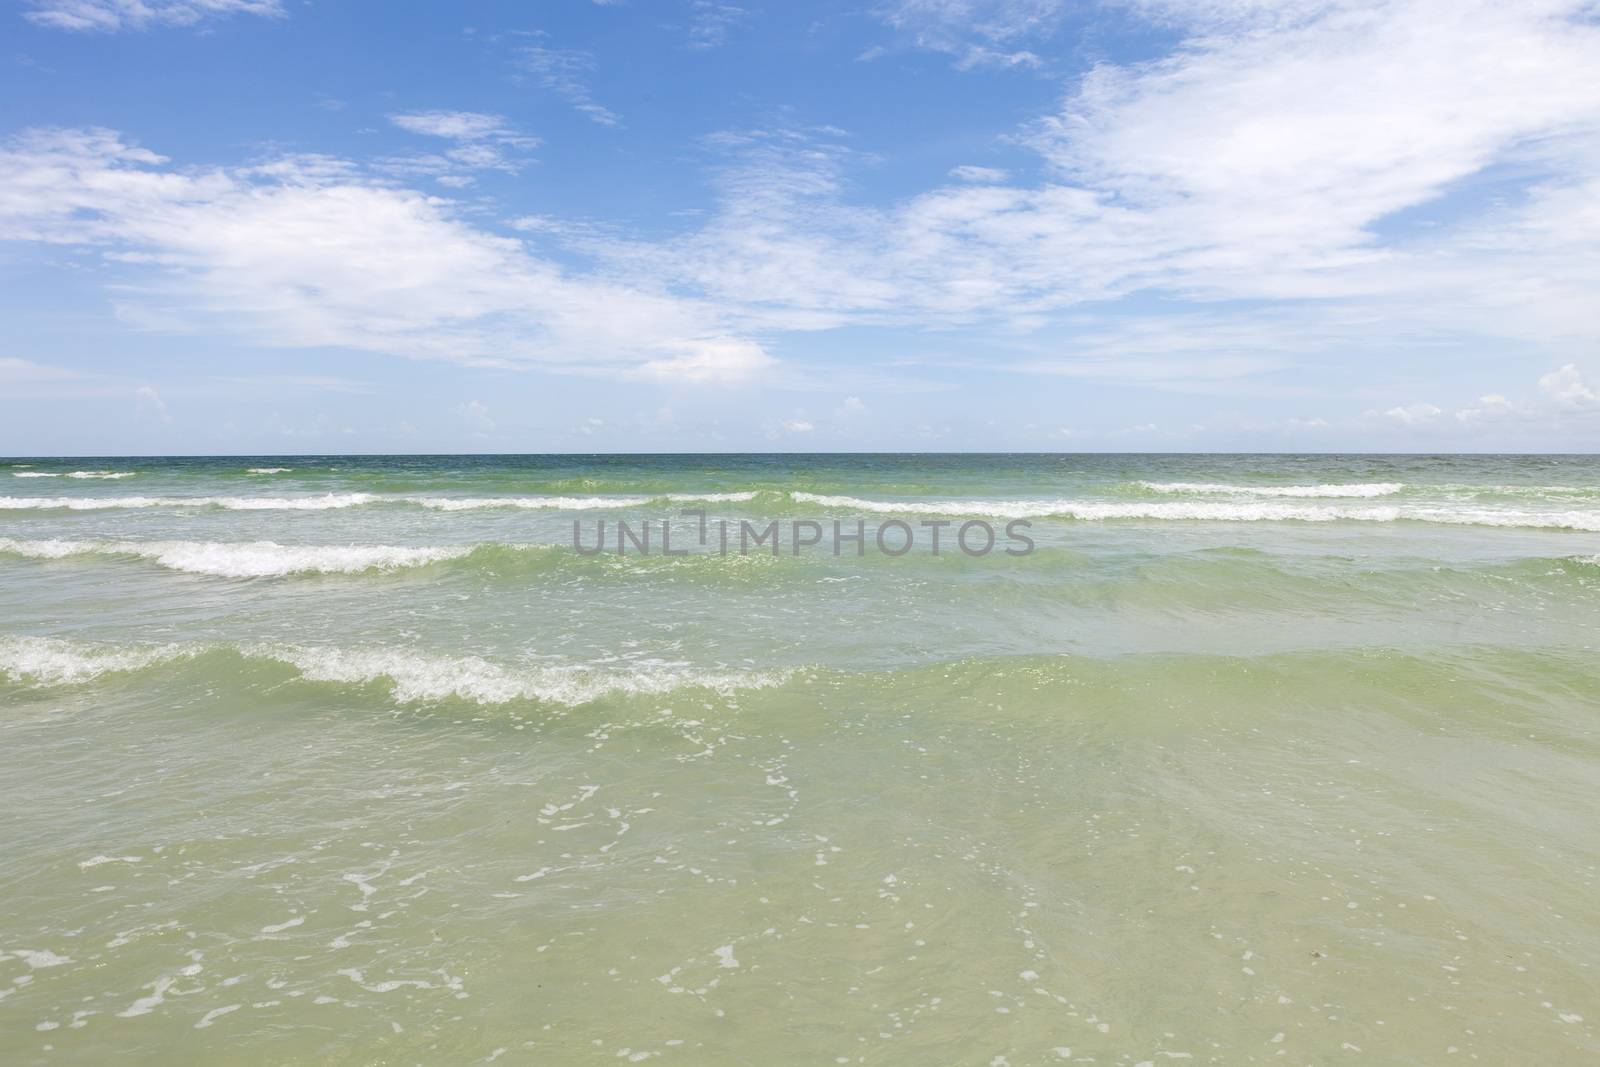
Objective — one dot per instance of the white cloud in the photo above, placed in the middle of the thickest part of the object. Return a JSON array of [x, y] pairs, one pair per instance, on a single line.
[[457, 125], [482, 142], [113, 15], [1566, 387], [15, 371], [562, 71], [307, 253], [849, 407], [1491, 406], [976, 32], [477, 417], [1265, 161], [147, 400], [1261, 185], [1414, 414], [798, 426], [321, 383], [1564, 407], [721, 360], [1276, 151], [711, 22], [979, 175]]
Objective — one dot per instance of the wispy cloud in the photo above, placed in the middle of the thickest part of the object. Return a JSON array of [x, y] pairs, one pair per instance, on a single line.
[[148, 403], [456, 125], [314, 382], [477, 417], [721, 360], [564, 72], [977, 32], [14, 372], [1565, 407], [1206, 221], [712, 21], [1567, 388], [1258, 167], [979, 175], [309, 254], [482, 142], [108, 16]]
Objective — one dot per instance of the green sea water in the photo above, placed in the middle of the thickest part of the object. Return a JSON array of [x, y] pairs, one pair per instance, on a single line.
[[1253, 759]]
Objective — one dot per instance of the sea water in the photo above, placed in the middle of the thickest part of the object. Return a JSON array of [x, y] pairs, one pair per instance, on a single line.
[[1251, 759]]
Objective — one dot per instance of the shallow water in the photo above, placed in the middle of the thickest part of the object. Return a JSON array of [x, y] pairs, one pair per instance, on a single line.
[[348, 760]]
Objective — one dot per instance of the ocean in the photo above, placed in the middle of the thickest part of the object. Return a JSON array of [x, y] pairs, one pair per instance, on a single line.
[[1243, 759]]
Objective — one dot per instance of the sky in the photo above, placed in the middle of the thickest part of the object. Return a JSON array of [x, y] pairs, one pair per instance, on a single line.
[[278, 226]]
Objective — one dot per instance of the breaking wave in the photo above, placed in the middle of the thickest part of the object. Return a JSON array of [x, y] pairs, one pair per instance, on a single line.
[[1211, 511], [1294, 503], [231, 503], [253, 559], [329, 501], [1360, 489], [48, 661], [106, 475], [410, 676]]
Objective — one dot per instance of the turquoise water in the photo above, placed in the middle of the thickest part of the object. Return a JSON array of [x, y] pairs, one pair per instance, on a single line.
[[355, 759]]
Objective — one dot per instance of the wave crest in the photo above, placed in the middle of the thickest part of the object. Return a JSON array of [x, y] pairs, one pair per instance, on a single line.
[[416, 677], [230, 503], [411, 676], [51, 661], [250, 559], [1215, 511], [107, 475], [329, 501], [1357, 489]]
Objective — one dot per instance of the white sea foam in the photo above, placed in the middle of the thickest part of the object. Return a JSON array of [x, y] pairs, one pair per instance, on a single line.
[[1214, 511], [415, 676], [548, 503], [231, 503], [411, 676], [38, 959], [53, 661], [329, 501], [1358, 489], [566, 503], [252, 559], [108, 475], [1203, 510], [711, 498], [269, 470], [1516, 490]]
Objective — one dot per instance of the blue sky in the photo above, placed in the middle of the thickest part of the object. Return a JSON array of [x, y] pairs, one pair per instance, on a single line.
[[255, 226]]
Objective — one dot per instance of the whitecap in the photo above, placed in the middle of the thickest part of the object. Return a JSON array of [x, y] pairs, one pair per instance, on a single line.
[[411, 676], [712, 498], [231, 503], [1358, 489], [107, 475], [547, 503], [416, 677], [1213, 511], [253, 559], [53, 661], [37, 959]]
